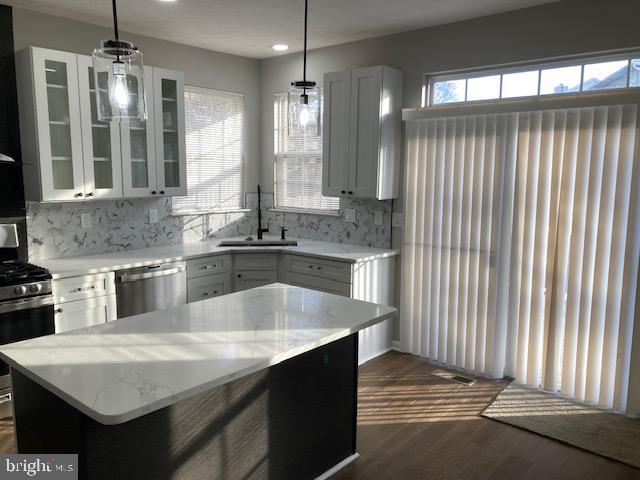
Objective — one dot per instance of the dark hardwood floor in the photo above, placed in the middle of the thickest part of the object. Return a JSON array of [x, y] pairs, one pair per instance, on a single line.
[[413, 425]]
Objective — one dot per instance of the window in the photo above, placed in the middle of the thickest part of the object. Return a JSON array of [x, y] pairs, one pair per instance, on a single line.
[[586, 75], [214, 124], [298, 167]]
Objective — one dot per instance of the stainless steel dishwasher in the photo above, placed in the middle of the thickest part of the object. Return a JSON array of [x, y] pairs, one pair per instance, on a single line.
[[154, 287]]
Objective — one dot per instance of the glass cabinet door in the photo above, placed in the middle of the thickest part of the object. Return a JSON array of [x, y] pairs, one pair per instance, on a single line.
[[138, 149], [57, 109], [169, 128], [100, 140]]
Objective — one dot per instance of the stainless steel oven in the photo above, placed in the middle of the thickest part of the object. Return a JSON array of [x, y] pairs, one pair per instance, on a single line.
[[27, 316]]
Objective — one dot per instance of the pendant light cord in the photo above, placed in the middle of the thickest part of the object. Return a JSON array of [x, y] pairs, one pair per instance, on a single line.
[[115, 19], [304, 61]]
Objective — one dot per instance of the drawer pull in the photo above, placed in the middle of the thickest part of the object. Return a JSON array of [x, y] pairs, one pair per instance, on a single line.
[[207, 267], [239, 276], [310, 266], [319, 268], [205, 294], [83, 289], [59, 310]]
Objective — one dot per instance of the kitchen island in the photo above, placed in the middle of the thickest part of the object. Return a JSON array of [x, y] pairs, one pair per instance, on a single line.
[[255, 384]]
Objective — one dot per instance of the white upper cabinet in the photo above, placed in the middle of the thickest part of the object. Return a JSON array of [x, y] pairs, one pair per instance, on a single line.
[[50, 129], [69, 155], [100, 140], [335, 140], [168, 87], [362, 129], [139, 149]]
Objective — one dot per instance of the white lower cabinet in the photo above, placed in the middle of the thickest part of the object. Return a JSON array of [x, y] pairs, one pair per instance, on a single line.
[[209, 286], [245, 279], [371, 281], [84, 301], [318, 283], [84, 313]]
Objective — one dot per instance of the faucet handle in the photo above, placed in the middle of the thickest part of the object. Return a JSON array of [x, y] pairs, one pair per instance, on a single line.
[[282, 230]]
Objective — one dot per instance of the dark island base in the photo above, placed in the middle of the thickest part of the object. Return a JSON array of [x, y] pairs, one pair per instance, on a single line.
[[295, 420]]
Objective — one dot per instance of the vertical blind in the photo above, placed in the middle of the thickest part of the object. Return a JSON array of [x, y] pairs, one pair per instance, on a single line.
[[521, 249], [214, 124], [298, 166]]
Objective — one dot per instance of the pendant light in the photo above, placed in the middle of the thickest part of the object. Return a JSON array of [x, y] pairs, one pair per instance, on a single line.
[[304, 97], [119, 79]]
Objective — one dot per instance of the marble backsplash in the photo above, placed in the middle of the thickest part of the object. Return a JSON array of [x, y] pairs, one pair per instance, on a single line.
[[55, 230]]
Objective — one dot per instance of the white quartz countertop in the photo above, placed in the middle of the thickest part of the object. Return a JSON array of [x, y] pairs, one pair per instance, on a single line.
[[124, 369], [107, 262]]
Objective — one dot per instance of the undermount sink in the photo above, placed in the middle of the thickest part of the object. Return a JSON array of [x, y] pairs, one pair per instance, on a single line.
[[258, 243]]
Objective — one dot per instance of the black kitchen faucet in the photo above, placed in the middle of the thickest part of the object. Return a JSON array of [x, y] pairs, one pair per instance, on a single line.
[[260, 229]]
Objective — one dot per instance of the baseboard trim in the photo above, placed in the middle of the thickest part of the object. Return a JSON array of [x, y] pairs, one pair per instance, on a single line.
[[374, 355], [395, 345], [338, 467]]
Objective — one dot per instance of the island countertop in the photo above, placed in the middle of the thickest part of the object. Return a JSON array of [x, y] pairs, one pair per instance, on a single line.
[[111, 261], [119, 371]]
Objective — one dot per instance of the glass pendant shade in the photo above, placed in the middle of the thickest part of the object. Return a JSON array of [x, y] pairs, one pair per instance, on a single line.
[[119, 80], [304, 110]]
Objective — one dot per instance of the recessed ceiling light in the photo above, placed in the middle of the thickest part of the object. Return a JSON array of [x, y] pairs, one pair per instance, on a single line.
[[280, 47]]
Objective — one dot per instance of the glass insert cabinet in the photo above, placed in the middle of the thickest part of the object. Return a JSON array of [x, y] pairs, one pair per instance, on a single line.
[[69, 155]]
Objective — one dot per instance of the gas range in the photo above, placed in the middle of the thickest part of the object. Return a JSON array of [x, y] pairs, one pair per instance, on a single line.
[[26, 311], [23, 280]]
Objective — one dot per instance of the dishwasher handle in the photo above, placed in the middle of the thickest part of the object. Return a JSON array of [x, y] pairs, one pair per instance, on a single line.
[[151, 272]]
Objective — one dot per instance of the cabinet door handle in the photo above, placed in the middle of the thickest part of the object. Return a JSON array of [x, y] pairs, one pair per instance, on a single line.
[[205, 294], [153, 192], [239, 276], [215, 291], [161, 192], [319, 268], [90, 194], [344, 191], [77, 195], [59, 310], [83, 289], [311, 266], [350, 192]]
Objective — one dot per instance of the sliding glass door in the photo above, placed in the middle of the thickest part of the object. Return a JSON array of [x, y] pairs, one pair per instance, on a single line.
[[521, 248]]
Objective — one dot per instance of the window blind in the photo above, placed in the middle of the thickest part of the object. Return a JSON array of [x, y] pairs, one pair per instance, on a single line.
[[214, 124], [298, 166], [522, 247]]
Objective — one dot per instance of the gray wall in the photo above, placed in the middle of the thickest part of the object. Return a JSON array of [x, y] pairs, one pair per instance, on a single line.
[[551, 30], [201, 67]]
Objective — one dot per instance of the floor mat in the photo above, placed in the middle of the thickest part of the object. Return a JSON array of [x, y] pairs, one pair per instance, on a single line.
[[607, 434]]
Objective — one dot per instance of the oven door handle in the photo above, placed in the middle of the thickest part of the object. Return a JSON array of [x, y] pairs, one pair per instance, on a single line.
[[25, 303]]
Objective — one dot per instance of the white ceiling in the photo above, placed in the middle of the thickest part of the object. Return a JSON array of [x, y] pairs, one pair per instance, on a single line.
[[250, 27]]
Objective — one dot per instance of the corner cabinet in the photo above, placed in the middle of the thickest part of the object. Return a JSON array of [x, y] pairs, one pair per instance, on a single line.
[[362, 133], [69, 155]]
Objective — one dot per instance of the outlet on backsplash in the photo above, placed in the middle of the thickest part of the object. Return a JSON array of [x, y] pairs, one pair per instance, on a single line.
[[377, 218], [350, 215], [153, 215], [85, 220]]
